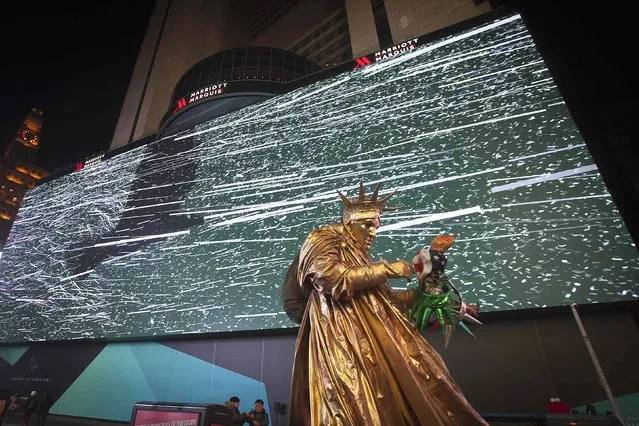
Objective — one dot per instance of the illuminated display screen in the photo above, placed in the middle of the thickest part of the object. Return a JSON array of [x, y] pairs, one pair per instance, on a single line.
[[194, 233]]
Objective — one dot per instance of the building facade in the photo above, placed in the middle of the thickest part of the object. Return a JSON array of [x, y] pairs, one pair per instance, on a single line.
[[228, 81], [183, 33], [17, 171]]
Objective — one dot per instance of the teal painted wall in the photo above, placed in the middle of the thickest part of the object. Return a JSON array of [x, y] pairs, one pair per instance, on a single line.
[[628, 407], [126, 373]]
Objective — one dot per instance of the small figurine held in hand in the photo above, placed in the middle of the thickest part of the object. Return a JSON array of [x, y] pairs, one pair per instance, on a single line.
[[437, 296]]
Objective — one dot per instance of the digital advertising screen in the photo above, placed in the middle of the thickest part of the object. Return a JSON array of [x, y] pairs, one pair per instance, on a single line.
[[193, 233]]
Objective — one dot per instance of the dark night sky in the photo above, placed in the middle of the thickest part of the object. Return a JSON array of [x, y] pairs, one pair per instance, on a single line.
[[73, 60]]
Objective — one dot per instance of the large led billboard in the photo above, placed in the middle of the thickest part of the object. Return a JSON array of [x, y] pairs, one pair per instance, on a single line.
[[194, 233]]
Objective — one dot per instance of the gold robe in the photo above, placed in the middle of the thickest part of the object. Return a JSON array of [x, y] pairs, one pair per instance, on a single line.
[[358, 359]]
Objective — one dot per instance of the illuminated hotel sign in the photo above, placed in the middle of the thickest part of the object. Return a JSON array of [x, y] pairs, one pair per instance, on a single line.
[[92, 161], [89, 162], [383, 54], [396, 50], [212, 90], [203, 93]]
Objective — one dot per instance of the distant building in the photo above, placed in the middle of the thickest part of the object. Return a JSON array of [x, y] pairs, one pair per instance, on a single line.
[[188, 42], [17, 172]]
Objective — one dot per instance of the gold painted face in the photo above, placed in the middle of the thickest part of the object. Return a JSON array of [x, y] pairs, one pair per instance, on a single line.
[[364, 231]]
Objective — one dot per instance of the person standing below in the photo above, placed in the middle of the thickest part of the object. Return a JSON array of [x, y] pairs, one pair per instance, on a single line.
[[14, 403], [258, 416], [29, 407], [44, 405], [238, 418]]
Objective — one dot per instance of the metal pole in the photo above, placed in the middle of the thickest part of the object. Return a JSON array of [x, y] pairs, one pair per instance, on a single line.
[[595, 361]]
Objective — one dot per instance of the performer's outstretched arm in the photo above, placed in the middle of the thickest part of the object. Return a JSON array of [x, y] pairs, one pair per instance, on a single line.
[[328, 274], [332, 277]]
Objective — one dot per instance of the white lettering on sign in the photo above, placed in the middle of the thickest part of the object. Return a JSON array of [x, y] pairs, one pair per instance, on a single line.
[[396, 50], [205, 92]]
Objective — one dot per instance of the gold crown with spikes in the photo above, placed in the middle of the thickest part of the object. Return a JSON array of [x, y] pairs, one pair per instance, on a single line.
[[362, 207]]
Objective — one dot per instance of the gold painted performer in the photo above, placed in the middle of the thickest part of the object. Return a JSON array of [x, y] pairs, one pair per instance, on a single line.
[[359, 360]]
